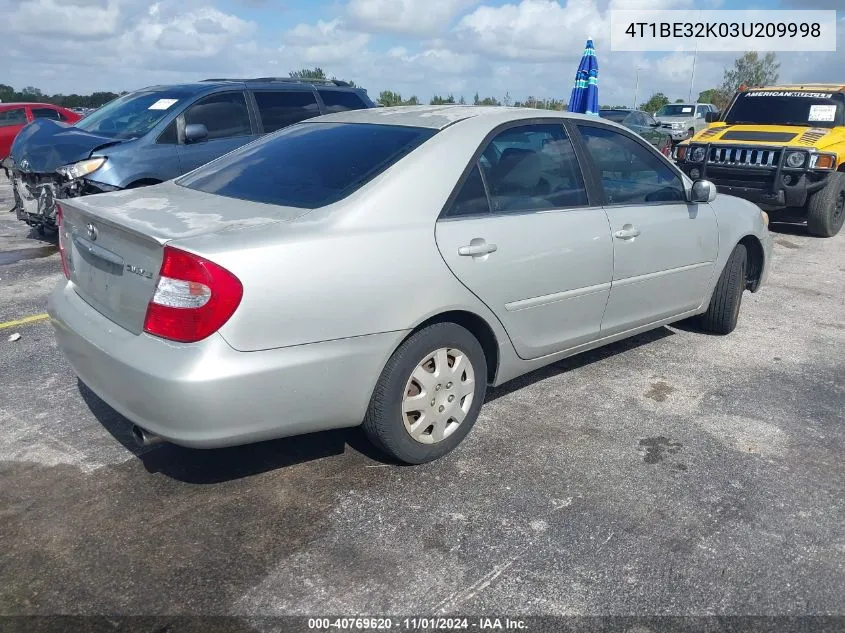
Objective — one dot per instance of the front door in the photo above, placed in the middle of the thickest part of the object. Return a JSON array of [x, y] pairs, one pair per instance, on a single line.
[[664, 248], [227, 119], [523, 237]]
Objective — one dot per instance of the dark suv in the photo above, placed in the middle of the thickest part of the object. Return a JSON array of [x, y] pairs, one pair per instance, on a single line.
[[158, 133]]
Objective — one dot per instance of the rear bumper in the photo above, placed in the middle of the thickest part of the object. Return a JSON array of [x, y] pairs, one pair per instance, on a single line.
[[206, 394]]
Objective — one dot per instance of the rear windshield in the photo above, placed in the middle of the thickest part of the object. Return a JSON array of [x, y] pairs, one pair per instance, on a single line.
[[614, 115], [307, 165], [770, 107], [132, 115]]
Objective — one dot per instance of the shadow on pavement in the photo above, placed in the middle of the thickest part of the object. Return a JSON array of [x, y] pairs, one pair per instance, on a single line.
[[209, 466]]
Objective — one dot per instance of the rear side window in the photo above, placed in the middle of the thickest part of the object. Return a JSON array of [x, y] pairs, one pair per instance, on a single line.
[[45, 113], [280, 109], [12, 117], [340, 100], [225, 115], [472, 198], [308, 165]]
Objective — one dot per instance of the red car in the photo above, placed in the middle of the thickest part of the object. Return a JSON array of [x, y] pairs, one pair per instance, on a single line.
[[13, 116]]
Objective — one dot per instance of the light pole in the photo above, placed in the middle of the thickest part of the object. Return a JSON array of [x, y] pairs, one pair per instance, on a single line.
[[637, 87]]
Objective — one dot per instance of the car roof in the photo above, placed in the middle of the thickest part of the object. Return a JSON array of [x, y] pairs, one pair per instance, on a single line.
[[826, 87], [277, 83], [20, 104], [440, 116]]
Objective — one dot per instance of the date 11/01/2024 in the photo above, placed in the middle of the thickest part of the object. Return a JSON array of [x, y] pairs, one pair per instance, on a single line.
[[416, 624]]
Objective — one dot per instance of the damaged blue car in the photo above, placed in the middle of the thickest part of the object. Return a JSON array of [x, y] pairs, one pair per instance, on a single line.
[[156, 134]]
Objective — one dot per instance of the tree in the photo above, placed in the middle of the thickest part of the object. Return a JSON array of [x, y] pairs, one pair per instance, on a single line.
[[7, 93], [751, 70], [32, 92], [657, 101], [679, 100], [438, 100], [389, 98], [308, 73], [507, 100], [462, 101]]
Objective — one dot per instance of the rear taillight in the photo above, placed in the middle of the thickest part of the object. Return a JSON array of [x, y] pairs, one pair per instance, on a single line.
[[62, 238], [193, 298]]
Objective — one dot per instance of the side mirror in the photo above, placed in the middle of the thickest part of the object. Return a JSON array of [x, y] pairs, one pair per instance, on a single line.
[[703, 191], [655, 124], [712, 117], [195, 132]]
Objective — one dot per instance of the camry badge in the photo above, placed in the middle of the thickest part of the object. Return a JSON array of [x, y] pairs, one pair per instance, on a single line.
[[92, 232]]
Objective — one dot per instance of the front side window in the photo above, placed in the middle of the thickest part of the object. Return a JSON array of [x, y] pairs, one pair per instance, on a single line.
[[224, 115], [45, 113], [279, 109], [532, 168], [307, 165], [629, 172], [340, 100], [12, 117]]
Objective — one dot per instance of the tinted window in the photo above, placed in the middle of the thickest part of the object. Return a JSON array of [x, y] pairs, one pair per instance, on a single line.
[[530, 168], [225, 115], [280, 109], [132, 115], [816, 109], [45, 113], [340, 100], [617, 116], [472, 198], [12, 117], [680, 110], [307, 165], [629, 172]]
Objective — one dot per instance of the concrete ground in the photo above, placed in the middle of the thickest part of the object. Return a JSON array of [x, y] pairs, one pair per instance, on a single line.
[[674, 473]]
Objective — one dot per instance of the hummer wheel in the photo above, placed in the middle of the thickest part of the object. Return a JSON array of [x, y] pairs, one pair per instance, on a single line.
[[826, 208]]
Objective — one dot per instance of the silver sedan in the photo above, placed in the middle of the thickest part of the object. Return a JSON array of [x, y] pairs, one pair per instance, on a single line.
[[385, 267]]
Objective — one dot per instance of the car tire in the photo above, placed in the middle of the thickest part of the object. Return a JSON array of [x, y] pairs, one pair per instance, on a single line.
[[456, 387], [826, 208], [723, 312]]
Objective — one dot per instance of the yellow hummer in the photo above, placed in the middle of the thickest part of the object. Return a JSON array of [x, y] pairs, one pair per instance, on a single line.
[[781, 147]]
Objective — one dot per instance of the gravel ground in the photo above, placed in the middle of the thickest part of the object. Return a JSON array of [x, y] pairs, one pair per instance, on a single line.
[[675, 473]]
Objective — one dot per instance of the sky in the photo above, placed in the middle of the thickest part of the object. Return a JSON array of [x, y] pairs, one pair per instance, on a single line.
[[415, 47]]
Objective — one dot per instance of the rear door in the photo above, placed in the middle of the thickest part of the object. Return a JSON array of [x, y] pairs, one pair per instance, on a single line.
[[11, 122], [521, 234], [664, 247], [278, 109], [227, 118]]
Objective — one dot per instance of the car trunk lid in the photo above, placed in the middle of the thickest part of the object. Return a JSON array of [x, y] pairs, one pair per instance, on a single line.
[[114, 241]]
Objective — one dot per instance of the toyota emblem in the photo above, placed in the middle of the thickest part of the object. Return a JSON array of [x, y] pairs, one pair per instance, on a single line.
[[92, 231]]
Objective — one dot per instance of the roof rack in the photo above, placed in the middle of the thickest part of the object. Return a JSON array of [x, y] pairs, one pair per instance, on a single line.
[[293, 80]]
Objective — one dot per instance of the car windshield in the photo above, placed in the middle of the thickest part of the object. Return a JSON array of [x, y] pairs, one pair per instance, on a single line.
[[676, 109], [132, 115], [307, 165], [614, 115], [765, 107]]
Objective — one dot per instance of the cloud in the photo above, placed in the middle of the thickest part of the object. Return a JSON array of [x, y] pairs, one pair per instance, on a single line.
[[422, 17], [525, 47]]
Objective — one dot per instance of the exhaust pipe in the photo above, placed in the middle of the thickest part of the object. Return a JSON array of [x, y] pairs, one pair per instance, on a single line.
[[144, 437]]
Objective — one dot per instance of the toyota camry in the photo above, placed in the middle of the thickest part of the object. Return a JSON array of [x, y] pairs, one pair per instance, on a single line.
[[383, 268]]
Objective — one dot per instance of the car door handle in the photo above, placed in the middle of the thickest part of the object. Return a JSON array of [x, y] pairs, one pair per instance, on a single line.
[[627, 232], [474, 250]]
